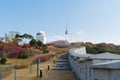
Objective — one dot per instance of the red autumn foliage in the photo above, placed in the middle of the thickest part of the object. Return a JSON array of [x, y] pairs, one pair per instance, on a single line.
[[15, 53], [13, 50]]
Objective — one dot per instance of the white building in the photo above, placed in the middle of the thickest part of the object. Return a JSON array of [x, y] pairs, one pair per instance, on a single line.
[[41, 36], [82, 63], [74, 54], [106, 71], [98, 58]]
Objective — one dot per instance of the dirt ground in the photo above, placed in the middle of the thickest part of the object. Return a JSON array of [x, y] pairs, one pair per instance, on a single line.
[[60, 75]]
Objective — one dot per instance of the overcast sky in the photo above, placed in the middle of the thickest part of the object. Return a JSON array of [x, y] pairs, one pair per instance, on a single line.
[[87, 20]]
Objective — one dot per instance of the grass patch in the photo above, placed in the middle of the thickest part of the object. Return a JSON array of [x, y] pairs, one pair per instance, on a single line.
[[4, 68]]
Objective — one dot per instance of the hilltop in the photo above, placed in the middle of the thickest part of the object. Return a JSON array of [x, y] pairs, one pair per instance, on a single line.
[[99, 47]]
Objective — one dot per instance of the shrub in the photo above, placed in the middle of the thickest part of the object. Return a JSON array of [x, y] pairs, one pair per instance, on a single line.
[[3, 60], [90, 50], [22, 56], [45, 51], [100, 49], [19, 56]]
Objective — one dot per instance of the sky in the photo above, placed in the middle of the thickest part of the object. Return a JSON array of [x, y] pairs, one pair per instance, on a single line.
[[87, 20]]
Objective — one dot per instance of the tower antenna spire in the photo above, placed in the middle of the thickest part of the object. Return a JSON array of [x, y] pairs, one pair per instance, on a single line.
[[66, 33]]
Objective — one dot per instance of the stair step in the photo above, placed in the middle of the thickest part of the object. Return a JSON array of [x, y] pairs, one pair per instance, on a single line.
[[62, 61], [62, 64], [62, 69]]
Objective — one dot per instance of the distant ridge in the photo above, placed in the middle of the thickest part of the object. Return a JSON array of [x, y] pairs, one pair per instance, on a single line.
[[60, 43]]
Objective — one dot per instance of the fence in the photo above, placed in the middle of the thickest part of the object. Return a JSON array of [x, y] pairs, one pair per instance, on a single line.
[[24, 69], [5, 70], [11, 72], [21, 71]]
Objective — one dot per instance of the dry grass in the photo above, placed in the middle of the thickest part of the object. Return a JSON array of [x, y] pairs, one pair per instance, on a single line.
[[24, 74], [22, 63], [57, 50], [52, 50]]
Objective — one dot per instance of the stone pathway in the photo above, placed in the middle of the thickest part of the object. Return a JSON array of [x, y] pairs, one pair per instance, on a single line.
[[62, 70], [62, 63]]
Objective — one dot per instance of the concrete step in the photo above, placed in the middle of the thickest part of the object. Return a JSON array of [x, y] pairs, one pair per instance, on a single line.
[[62, 60], [62, 63], [62, 68]]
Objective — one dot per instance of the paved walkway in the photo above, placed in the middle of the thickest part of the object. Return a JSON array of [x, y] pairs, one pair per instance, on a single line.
[[62, 70]]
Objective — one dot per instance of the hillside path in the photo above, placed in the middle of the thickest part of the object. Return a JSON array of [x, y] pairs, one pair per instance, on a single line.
[[62, 70]]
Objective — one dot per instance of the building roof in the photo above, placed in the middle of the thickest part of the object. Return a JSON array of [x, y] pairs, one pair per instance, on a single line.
[[41, 33], [84, 55], [106, 55], [115, 64]]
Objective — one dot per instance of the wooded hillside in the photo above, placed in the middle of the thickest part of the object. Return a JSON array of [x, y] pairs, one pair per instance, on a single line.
[[100, 47]]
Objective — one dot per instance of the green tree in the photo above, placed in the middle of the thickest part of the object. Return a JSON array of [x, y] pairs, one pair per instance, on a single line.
[[99, 49], [90, 50], [39, 43], [24, 37], [27, 37], [32, 42]]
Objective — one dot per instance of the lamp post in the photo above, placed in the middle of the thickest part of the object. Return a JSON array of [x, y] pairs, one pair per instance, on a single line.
[[48, 66], [41, 70]]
